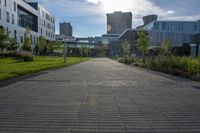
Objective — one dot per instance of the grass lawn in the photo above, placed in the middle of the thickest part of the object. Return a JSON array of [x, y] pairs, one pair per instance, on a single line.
[[10, 67]]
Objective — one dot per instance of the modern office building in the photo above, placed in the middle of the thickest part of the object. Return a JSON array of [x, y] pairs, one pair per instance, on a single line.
[[66, 29], [17, 15], [46, 21], [150, 18], [117, 22], [179, 33]]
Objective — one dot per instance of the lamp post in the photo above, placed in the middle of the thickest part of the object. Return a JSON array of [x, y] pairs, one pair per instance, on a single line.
[[32, 45], [81, 52], [65, 51], [21, 39]]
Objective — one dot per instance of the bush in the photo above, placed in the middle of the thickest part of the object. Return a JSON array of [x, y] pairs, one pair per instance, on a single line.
[[126, 60], [8, 54], [25, 56], [185, 66]]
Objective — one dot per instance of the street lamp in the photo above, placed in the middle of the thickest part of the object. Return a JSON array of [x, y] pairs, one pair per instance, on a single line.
[[65, 51], [21, 40]]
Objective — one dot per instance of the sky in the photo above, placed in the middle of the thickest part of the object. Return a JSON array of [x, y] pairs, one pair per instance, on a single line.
[[88, 17]]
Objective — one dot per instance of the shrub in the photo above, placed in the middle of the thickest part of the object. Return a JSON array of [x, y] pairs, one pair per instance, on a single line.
[[25, 56], [185, 66], [9, 54], [126, 60]]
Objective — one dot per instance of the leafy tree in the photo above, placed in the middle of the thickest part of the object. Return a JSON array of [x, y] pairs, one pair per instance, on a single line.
[[41, 45], [85, 51], [126, 48], [58, 46], [27, 40], [4, 40], [50, 46], [166, 47], [13, 45], [142, 41], [36, 49]]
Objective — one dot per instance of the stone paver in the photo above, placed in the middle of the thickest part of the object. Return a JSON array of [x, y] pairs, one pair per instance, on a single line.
[[101, 96]]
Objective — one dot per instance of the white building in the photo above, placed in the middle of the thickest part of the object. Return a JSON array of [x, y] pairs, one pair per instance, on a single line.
[[17, 15]]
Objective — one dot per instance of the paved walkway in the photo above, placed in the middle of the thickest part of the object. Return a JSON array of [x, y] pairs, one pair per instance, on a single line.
[[100, 96]]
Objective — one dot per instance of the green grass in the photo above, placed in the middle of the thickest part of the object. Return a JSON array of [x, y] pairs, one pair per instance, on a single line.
[[11, 67]]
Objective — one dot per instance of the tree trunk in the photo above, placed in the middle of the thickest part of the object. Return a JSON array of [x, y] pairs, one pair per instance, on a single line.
[[2, 53]]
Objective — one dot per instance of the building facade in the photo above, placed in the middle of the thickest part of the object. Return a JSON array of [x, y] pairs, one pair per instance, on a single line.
[[46, 21], [66, 29], [117, 22], [65, 38], [17, 15], [150, 18], [178, 32]]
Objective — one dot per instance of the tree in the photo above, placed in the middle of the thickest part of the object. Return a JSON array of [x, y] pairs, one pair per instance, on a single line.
[[13, 45], [142, 41], [58, 46], [36, 49], [50, 46], [41, 45], [4, 40], [27, 40], [166, 47], [126, 48], [85, 51]]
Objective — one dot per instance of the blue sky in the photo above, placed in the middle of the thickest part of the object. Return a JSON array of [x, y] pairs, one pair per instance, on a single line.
[[88, 17]]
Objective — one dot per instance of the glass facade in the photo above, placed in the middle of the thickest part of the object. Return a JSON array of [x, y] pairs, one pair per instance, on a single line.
[[27, 19], [175, 26]]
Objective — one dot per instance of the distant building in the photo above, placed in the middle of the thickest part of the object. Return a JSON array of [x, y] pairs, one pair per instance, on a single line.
[[117, 22], [66, 29], [17, 15], [148, 19], [65, 38]]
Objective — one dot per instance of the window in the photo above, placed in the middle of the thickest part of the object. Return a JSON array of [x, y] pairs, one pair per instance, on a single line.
[[156, 26], [14, 6], [5, 3], [21, 37], [31, 39], [34, 40], [15, 34], [7, 17], [27, 19], [0, 13], [13, 19]]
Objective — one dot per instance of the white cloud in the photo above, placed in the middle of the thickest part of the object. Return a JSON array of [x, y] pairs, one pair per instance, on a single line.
[[170, 12], [86, 14], [140, 8]]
